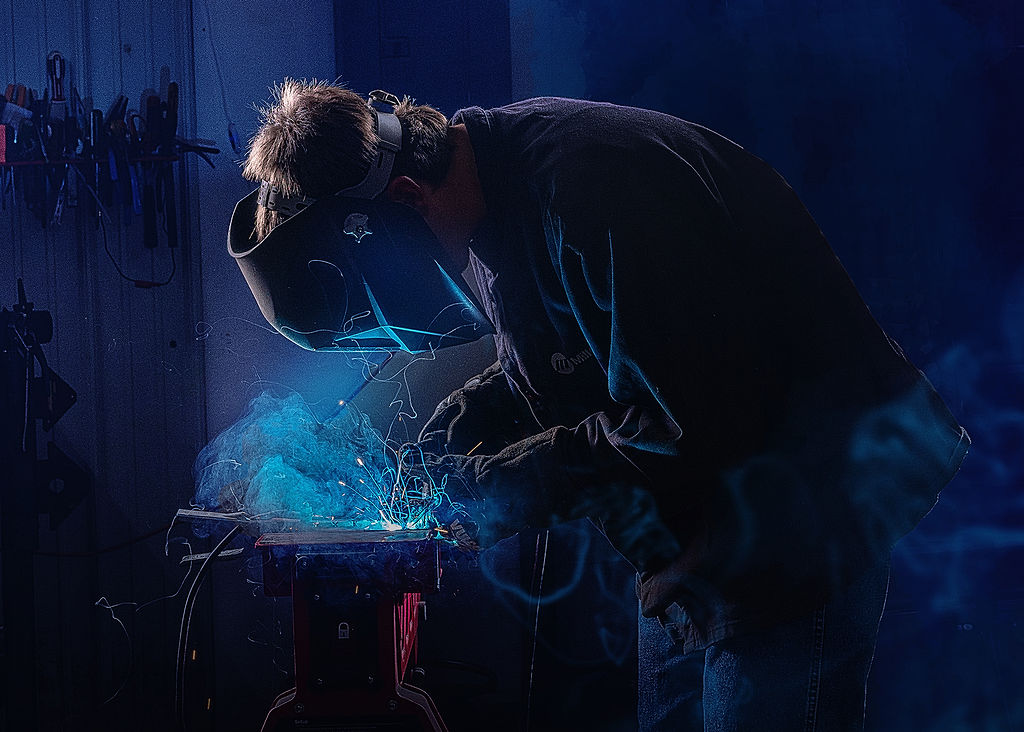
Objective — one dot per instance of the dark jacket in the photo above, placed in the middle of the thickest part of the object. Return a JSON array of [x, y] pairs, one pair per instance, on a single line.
[[705, 381]]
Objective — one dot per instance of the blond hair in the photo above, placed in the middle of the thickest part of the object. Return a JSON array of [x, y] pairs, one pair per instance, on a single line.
[[316, 138]]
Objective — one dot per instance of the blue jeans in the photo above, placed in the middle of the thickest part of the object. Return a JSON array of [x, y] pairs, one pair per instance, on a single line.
[[807, 674]]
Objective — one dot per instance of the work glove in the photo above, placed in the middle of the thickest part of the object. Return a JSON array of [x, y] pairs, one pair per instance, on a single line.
[[484, 416], [492, 496], [450, 483], [550, 477]]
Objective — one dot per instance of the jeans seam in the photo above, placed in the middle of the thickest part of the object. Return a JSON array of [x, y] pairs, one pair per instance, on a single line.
[[814, 682]]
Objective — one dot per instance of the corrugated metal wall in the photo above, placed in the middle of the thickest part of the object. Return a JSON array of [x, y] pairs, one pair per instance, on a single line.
[[132, 357], [160, 371]]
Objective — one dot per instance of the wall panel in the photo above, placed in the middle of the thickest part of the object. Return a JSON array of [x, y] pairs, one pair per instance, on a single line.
[[132, 357], [160, 371]]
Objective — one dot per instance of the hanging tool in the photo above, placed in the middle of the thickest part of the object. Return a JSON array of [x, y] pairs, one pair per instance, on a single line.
[[16, 112], [5, 172], [202, 148], [152, 132], [74, 141], [136, 128], [56, 134], [11, 113], [22, 144], [98, 151], [76, 124], [168, 131], [117, 153], [57, 112], [36, 189]]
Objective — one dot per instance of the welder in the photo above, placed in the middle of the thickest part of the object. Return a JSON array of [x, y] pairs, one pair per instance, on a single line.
[[681, 358]]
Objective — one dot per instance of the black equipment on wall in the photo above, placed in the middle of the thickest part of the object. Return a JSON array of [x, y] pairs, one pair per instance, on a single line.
[[51, 144], [30, 391]]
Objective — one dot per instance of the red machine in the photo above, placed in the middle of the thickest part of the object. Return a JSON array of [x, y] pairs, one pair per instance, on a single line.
[[356, 608]]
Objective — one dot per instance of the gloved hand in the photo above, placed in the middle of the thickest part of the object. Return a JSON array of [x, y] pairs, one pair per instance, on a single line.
[[483, 416], [449, 481], [525, 485]]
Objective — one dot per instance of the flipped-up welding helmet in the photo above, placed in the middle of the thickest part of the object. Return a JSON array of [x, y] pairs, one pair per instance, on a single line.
[[352, 271]]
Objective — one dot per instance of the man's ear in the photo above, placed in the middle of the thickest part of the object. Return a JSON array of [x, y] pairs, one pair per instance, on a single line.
[[404, 189]]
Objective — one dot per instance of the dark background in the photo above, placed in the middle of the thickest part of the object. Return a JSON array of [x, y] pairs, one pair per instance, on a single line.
[[896, 122]]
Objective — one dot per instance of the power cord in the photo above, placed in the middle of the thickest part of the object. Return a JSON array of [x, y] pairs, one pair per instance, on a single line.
[[141, 284], [186, 621]]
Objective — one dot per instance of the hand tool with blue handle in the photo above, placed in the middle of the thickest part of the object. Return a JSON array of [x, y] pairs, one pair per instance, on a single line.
[[148, 173]]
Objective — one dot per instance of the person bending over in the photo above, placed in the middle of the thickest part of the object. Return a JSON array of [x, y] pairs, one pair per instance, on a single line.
[[681, 358]]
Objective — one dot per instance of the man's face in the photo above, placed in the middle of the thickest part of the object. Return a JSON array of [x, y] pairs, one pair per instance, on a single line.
[[440, 208]]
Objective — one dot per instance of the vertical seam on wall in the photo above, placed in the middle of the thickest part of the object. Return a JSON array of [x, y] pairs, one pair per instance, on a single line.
[[119, 54], [90, 288], [380, 43], [151, 44], [14, 54], [133, 486], [49, 235], [15, 250], [86, 58], [193, 232], [46, 39]]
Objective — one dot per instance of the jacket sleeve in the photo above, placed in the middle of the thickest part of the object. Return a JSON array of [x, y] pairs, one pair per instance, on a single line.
[[510, 483], [484, 415], [567, 473]]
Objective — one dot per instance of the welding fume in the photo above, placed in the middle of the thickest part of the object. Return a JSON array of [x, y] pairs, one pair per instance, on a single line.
[[682, 360]]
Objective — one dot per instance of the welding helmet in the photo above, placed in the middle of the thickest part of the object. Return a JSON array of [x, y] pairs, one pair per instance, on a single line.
[[352, 271]]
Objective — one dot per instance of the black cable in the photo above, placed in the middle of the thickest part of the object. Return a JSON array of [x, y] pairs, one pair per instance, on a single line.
[[142, 284], [232, 137], [536, 623], [186, 622]]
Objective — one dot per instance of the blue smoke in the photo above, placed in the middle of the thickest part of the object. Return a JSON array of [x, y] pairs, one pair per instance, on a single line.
[[280, 461], [572, 563]]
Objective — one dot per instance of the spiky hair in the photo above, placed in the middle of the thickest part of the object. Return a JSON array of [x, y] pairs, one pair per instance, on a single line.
[[316, 138]]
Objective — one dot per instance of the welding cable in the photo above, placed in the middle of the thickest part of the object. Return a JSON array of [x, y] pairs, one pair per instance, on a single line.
[[236, 148], [31, 350], [186, 621], [543, 558], [141, 284], [136, 607], [30, 372]]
